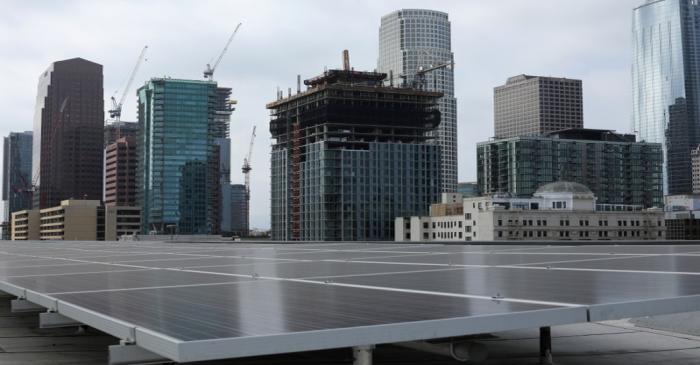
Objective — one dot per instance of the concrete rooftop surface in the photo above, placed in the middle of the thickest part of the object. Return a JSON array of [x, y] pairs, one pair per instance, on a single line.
[[609, 343]]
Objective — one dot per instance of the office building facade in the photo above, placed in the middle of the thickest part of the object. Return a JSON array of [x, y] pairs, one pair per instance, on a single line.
[[536, 105], [17, 176], [240, 211], [666, 84], [617, 169], [115, 130], [695, 166], [557, 211], [121, 161], [178, 169], [349, 155], [413, 39], [468, 189], [682, 213], [67, 159]]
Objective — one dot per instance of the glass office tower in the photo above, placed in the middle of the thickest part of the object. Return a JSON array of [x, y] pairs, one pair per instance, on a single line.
[[17, 173], [410, 39], [666, 84], [178, 175]]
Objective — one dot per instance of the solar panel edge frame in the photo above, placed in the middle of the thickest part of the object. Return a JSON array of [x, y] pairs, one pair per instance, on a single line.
[[643, 308], [226, 348]]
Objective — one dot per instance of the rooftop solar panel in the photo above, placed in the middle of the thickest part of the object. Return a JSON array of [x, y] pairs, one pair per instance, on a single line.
[[203, 301]]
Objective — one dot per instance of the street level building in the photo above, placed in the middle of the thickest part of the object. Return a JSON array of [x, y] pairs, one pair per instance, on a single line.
[[120, 172], [695, 165], [615, 167], [178, 175], [349, 155], [418, 39], [682, 217], [557, 211], [666, 84], [121, 221], [536, 105], [68, 133], [17, 176]]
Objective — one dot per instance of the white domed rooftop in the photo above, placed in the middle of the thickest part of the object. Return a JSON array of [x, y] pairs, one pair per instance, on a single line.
[[565, 187]]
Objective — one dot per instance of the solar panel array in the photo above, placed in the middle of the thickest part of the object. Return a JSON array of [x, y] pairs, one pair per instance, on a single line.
[[202, 301]]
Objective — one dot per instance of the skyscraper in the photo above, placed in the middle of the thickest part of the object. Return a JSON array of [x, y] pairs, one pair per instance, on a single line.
[[535, 105], [666, 84], [240, 211], [120, 172], [68, 133], [350, 156], [411, 39], [178, 174], [17, 174]]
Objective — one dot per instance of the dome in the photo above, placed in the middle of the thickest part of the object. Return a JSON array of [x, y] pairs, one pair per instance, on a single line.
[[565, 187]]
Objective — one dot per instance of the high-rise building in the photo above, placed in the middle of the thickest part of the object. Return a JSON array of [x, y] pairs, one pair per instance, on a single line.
[[116, 130], [351, 155], [240, 211], [666, 84], [468, 189], [17, 175], [68, 133], [413, 39], [120, 172], [221, 161], [535, 105], [178, 170], [615, 167]]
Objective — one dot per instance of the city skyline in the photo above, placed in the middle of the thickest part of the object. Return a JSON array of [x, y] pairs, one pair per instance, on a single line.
[[273, 45]]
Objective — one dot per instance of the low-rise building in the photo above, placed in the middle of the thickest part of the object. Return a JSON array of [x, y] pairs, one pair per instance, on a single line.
[[682, 213], [121, 221], [557, 211], [25, 225], [76, 220]]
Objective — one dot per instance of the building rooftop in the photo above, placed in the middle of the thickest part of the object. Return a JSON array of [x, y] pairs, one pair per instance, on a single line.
[[565, 187]]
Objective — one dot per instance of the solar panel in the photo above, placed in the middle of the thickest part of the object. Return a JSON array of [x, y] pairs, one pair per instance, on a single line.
[[204, 301]]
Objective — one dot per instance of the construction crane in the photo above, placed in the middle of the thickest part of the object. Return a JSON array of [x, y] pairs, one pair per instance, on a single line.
[[246, 165], [419, 80], [116, 112], [209, 71]]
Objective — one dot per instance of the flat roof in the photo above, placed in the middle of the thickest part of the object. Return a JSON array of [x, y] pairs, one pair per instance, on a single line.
[[206, 301]]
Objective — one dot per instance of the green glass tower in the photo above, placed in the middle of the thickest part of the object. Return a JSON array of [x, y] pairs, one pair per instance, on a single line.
[[178, 161]]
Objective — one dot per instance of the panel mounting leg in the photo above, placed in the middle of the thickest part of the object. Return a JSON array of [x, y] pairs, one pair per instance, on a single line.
[[362, 355], [55, 320], [128, 353], [546, 346], [23, 305]]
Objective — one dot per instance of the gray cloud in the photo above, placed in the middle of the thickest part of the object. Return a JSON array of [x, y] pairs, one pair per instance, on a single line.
[[280, 39]]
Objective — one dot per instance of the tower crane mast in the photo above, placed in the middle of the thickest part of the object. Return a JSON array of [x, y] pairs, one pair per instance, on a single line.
[[209, 71], [246, 165], [116, 112]]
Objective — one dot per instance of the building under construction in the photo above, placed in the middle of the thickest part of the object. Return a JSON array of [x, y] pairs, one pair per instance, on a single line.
[[350, 155]]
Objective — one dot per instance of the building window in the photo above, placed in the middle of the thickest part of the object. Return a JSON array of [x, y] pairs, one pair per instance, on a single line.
[[425, 225]]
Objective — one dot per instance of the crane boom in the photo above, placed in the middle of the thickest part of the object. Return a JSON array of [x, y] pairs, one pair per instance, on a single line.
[[116, 112], [209, 71]]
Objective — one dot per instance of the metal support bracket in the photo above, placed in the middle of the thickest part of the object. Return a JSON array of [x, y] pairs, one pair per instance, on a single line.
[[55, 320], [546, 346], [127, 353], [363, 354], [22, 305]]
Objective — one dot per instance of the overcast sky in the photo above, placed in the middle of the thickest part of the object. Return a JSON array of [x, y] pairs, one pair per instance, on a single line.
[[491, 40]]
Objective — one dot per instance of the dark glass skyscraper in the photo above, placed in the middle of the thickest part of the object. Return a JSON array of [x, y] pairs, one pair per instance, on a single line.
[[17, 173], [178, 177], [666, 83], [68, 132]]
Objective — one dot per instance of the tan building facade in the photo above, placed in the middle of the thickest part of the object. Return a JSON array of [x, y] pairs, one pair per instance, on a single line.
[[25, 225], [77, 220], [558, 211], [121, 221]]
